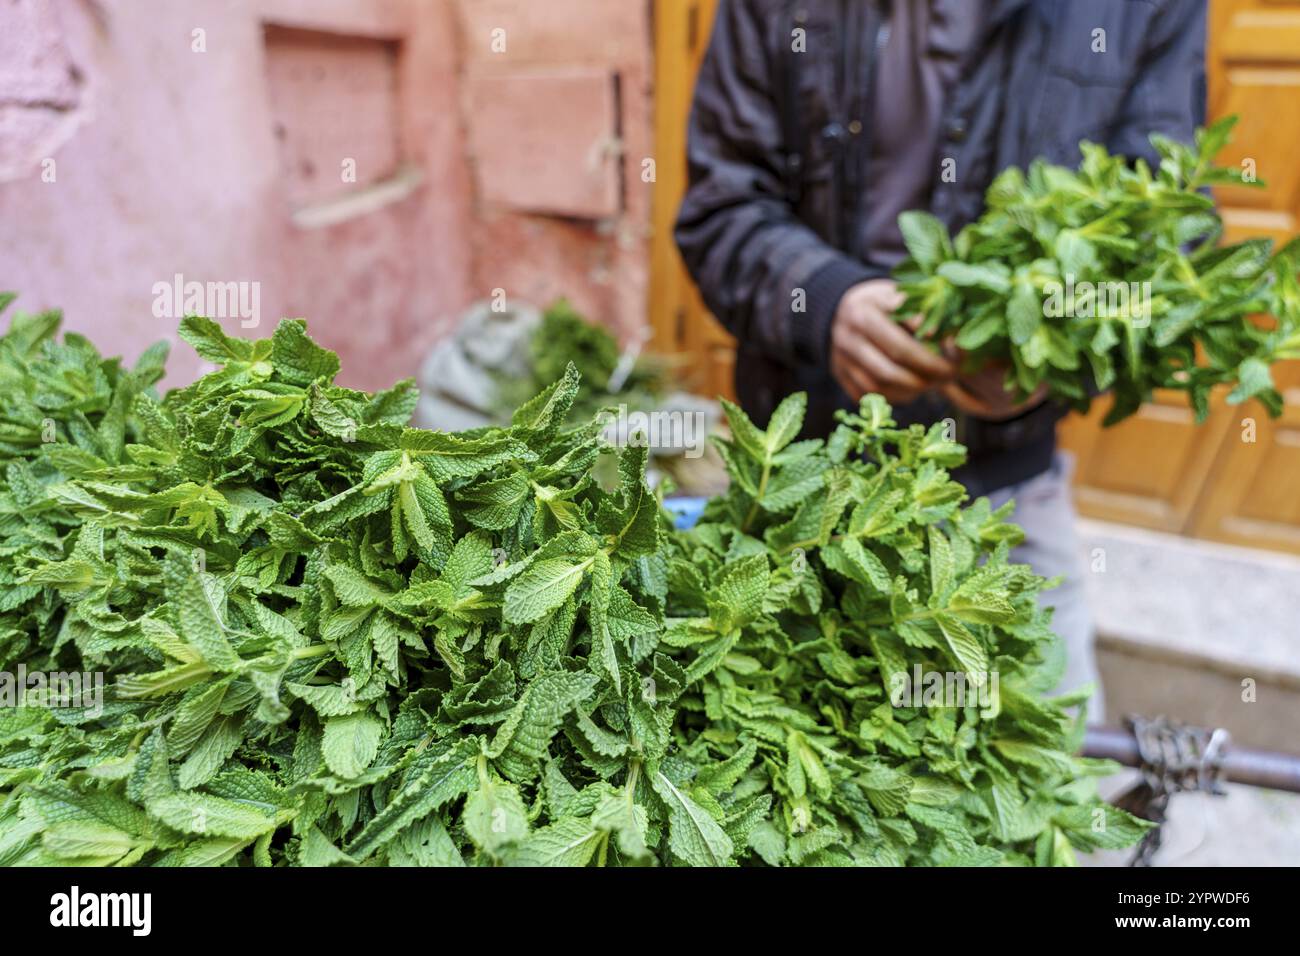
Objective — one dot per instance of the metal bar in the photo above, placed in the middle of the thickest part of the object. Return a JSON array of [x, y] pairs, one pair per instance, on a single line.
[[1255, 768]]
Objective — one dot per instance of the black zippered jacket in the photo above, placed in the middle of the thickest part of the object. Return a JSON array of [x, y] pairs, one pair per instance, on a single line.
[[778, 150]]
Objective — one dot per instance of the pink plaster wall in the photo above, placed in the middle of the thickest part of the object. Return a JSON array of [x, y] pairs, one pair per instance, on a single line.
[[174, 169], [167, 161], [600, 262]]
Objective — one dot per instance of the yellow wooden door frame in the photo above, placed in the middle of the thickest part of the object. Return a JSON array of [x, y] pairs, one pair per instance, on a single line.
[[678, 318]]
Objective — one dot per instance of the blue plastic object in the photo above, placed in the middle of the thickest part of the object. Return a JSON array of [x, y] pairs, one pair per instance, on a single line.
[[686, 510]]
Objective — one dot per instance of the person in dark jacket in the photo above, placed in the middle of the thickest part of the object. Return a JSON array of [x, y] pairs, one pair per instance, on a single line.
[[816, 122]]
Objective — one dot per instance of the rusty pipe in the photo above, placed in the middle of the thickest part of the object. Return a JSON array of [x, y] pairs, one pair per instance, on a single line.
[[1254, 768]]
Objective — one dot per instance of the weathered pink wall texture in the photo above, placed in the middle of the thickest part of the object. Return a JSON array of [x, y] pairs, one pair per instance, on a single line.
[[560, 122], [371, 165]]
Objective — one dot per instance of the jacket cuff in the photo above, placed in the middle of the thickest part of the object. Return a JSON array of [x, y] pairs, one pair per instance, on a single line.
[[810, 332]]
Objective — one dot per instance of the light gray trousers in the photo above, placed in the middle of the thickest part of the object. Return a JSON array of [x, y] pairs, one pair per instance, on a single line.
[[1051, 547]]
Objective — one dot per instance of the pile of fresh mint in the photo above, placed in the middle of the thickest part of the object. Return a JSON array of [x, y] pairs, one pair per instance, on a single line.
[[327, 638], [1111, 277], [565, 337], [862, 653]]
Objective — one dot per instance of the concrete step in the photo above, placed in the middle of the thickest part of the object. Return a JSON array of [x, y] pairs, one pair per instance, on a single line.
[[1208, 634], [1200, 632]]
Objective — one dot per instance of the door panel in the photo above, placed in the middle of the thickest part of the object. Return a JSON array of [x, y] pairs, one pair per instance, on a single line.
[[1252, 496], [1160, 469], [1148, 471]]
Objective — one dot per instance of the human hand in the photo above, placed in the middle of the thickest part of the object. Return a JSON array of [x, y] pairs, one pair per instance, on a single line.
[[872, 352], [984, 394]]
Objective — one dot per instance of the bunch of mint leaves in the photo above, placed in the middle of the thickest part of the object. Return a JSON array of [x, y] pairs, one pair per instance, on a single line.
[[830, 600], [327, 638], [1111, 278], [565, 337]]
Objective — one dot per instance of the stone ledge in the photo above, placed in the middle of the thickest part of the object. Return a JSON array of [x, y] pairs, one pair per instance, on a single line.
[[368, 199], [1182, 601]]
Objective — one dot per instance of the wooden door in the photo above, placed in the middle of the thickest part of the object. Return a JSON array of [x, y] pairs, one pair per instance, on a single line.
[[1252, 496], [681, 323]]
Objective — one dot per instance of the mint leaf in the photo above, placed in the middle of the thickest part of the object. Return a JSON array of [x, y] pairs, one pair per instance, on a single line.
[[1108, 277], [332, 639]]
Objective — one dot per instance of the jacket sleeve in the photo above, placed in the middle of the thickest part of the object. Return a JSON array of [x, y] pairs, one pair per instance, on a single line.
[[1168, 93], [769, 278]]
